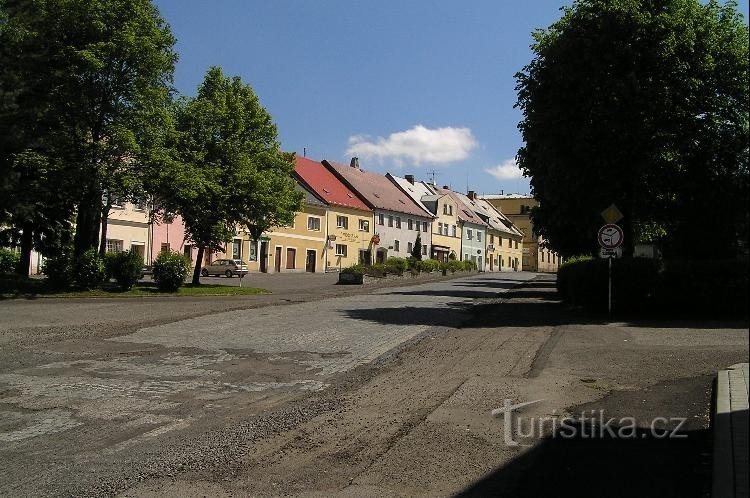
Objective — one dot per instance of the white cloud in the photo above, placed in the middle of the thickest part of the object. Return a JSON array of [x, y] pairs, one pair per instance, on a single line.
[[417, 145], [506, 170]]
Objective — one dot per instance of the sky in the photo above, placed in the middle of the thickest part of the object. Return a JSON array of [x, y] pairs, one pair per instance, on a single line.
[[409, 87]]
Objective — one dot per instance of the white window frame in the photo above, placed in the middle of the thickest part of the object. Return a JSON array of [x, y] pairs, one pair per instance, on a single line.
[[364, 225], [342, 221], [317, 220], [342, 254]]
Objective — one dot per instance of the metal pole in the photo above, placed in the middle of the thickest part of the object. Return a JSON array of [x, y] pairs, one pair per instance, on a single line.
[[609, 299]]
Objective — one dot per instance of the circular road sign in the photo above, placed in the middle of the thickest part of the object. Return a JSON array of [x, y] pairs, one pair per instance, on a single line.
[[610, 236]]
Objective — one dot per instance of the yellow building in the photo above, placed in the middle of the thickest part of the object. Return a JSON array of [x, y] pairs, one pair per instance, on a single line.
[[446, 233], [349, 222], [128, 228], [517, 207]]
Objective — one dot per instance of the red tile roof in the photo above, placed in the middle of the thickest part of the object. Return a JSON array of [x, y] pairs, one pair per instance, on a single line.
[[325, 184], [465, 213], [377, 190]]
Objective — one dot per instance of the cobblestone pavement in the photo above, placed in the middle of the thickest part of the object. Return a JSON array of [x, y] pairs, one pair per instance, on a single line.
[[83, 392]]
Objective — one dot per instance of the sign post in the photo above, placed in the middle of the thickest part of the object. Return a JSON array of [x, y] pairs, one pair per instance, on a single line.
[[610, 239]]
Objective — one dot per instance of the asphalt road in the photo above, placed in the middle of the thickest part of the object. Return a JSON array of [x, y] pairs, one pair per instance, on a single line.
[[382, 392]]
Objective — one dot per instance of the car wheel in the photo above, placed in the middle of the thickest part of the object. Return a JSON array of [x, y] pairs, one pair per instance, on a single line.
[[228, 273], [204, 272]]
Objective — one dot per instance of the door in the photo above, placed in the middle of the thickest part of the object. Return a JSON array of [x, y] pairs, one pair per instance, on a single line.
[[277, 260], [291, 258], [310, 261], [264, 256]]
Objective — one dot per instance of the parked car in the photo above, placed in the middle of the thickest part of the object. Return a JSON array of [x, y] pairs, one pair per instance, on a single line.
[[228, 267]]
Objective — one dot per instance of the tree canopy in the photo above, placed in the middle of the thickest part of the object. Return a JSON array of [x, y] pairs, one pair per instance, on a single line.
[[643, 104], [83, 85], [228, 171]]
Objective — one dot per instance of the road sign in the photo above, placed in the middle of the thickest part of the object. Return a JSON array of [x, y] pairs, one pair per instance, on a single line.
[[612, 214], [610, 253], [610, 236]]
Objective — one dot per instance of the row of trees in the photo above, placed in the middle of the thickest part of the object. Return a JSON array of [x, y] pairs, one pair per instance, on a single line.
[[88, 114], [644, 104]]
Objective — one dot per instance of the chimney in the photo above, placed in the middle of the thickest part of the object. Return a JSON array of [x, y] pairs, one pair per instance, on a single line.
[[409, 178], [472, 195], [354, 163], [446, 187]]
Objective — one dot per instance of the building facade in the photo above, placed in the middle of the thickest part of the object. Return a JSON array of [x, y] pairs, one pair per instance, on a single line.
[[397, 218], [504, 240], [128, 229], [473, 229], [517, 207], [348, 224]]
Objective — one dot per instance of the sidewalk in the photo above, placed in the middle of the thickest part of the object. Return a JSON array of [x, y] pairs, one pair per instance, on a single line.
[[730, 433]]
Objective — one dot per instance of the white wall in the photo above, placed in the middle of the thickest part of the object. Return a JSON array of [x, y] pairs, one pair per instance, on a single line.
[[388, 235]]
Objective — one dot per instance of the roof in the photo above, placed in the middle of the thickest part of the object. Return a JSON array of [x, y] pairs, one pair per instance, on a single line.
[[507, 196], [493, 216], [418, 191], [310, 198], [325, 185], [377, 190], [465, 212]]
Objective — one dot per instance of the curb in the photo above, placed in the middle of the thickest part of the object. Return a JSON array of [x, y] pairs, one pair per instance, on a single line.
[[730, 425]]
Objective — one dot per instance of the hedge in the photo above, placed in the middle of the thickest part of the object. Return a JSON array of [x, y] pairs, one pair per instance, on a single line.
[[706, 288]]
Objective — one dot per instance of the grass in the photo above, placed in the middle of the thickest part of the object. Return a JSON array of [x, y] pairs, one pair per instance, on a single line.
[[12, 286]]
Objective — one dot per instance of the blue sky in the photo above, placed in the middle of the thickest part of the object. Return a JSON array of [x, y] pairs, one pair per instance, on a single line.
[[409, 87]]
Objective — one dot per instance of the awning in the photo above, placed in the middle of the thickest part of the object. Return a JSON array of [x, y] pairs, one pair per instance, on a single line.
[[438, 248]]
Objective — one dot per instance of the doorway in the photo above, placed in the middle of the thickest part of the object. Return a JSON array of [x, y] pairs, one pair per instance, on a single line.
[[277, 260], [264, 256], [310, 261]]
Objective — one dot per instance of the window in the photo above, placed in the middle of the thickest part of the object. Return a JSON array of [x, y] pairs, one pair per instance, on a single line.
[[313, 224], [164, 247], [479, 236], [409, 247], [445, 229], [440, 228], [516, 244], [117, 202], [469, 234], [424, 226], [492, 239], [396, 245], [553, 257], [139, 205], [454, 230], [364, 225], [237, 249], [424, 250], [542, 256], [342, 222], [445, 208], [410, 224], [188, 251], [341, 250], [450, 210], [510, 244], [390, 221], [499, 241], [381, 221], [253, 251], [398, 222], [114, 245]]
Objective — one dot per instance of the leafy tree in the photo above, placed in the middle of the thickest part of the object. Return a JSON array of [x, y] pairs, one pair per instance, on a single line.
[[228, 172], [643, 104], [83, 84], [416, 251]]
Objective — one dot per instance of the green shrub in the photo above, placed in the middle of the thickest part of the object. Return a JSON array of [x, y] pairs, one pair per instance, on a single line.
[[468, 265], [59, 270], [454, 265], [430, 265], [678, 288], [396, 266], [125, 267], [8, 260], [88, 270], [170, 270], [377, 270], [355, 269]]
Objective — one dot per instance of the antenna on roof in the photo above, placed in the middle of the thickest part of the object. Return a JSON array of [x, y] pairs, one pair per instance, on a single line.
[[431, 176], [304, 151], [467, 182]]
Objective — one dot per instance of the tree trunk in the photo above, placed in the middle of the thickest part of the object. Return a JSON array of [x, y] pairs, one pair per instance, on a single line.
[[27, 241], [87, 223], [103, 239], [198, 267]]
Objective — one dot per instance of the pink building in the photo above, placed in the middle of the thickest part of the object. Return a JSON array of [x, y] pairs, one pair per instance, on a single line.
[[170, 236]]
